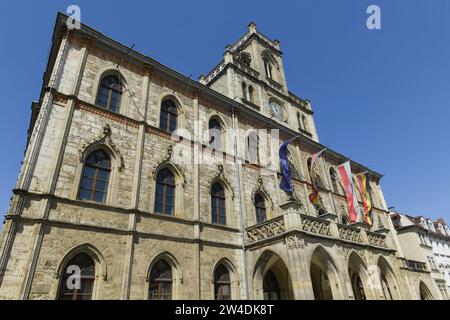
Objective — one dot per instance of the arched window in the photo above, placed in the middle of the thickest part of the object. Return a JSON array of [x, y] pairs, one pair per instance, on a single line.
[[252, 147], [260, 207], [95, 178], [244, 91], [215, 134], [165, 192], [268, 69], [222, 284], [271, 288], [315, 174], [344, 219], [110, 93], [168, 118], [251, 94], [72, 289], [334, 180], [218, 204], [160, 281], [305, 123]]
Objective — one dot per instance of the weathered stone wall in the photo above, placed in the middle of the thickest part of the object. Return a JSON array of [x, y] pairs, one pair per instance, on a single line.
[[117, 230]]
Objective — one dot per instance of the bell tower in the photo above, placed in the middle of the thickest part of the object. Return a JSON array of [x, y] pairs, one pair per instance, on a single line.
[[252, 72]]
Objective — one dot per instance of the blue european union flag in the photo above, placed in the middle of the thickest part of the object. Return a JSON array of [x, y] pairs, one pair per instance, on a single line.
[[286, 182]]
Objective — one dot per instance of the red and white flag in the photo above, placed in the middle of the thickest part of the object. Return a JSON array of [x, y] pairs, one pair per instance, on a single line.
[[352, 202]]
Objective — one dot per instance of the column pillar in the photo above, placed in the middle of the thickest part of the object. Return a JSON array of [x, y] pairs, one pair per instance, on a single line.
[[135, 195], [197, 138], [44, 209]]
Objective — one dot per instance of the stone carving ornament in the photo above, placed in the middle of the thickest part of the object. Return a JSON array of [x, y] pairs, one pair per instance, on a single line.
[[294, 242], [166, 160], [220, 175], [106, 140]]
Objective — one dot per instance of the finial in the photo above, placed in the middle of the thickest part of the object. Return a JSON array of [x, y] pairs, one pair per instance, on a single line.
[[107, 130], [252, 27]]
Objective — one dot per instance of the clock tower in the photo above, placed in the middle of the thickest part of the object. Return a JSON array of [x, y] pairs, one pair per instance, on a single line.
[[252, 72]]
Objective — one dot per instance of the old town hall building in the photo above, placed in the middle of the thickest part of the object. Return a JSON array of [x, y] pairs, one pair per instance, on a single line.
[[100, 188]]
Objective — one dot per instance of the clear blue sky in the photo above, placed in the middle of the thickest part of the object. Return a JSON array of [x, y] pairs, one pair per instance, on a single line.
[[380, 97]]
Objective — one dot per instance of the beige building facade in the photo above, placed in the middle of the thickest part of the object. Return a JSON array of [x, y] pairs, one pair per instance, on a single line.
[[102, 187]]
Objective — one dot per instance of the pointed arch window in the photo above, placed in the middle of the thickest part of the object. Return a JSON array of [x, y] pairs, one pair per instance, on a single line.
[[215, 134], [69, 288], [165, 192], [251, 94], [292, 168], [252, 147], [334, 180], [260, 208], [222, 284], [110, 93], [316, 175], [268, 69], [161, 281], [299, 120], [218, 207], [305, 123], [169, 115], [95, 177], [244, 90]]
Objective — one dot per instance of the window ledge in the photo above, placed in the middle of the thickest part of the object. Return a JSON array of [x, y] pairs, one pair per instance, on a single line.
[[251, 104], [274, 83], [305, 132]]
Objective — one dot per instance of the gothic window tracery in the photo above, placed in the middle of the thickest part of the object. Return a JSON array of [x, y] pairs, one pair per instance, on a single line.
[[161, 281], [222, 284], [84, 289]]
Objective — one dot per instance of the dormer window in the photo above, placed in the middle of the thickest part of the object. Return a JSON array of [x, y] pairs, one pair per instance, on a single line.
[[447, 230], [423, 223]]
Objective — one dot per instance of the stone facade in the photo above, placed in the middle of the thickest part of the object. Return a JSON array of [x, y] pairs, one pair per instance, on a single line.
[[47, 224]]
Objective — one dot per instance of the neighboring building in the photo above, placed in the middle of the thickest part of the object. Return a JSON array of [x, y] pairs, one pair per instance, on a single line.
[[439, 234], [425, 246], [101, 190]]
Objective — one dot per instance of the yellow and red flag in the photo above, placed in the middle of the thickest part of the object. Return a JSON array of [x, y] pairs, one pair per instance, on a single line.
[[314, 196], [365, 195]]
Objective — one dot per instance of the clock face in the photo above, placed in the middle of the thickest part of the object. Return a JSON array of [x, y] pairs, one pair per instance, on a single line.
[[277, 110]]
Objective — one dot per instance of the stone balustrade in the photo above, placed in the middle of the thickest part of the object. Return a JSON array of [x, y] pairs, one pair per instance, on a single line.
[[315, 225], [349, 233], [415, 265], [322, 226], [266, 229], [377, 240]]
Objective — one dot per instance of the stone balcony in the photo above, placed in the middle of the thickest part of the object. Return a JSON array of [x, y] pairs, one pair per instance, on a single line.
[[324, 226], [415, 266]]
